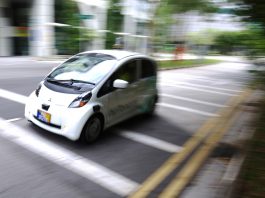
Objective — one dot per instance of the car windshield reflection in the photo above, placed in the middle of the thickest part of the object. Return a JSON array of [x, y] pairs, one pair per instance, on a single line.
[[84, 68]]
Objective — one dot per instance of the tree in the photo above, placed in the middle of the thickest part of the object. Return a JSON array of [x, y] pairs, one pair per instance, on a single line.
[[252, 11], [200, 38], [226, 42], [114, 21], [180, 6], [66, 12], [165, 11]]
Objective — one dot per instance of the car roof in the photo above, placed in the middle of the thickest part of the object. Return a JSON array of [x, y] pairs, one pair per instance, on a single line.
[[118, 54]]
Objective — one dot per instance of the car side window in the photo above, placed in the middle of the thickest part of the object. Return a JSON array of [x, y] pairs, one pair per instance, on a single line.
[[127, 72], [148, 68], [107, 87]]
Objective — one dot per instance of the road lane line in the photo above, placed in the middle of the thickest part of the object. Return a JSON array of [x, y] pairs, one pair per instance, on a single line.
[[213, 87], [22, 99], [176, 159], [151, 141], [200, 78], [197, 89], [220, 75], [203, 86], [181, 180], [213, 82], [192, 100], [170, 164], [191, 78], [13, 120], [13, 96], [187, 109], [84, 167], [177, 185]]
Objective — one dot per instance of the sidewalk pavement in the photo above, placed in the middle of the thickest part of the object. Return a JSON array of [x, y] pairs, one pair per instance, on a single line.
[[157, 56], [218, 176], [187, 56]]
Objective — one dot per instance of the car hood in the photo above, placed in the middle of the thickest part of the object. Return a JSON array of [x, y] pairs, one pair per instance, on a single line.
[[47, 96]]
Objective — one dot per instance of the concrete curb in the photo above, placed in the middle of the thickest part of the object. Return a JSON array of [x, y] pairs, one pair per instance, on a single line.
[[230, 177]]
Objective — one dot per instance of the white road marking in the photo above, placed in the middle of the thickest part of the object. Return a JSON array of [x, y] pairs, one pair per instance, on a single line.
[[214, 87], [52, 61], [186, 109], [193, 100], [231, 83], [196, 89], [151, 141], [13, 120], [166, 81], [203, 86], [106, 178], [216, 74], [181, 76], [13, 96], [190, 78]]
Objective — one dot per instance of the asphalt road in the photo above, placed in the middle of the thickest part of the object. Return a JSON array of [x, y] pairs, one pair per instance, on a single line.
[[126, 155]]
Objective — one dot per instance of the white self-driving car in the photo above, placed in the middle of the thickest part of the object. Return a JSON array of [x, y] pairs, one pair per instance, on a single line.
[[92, 91]]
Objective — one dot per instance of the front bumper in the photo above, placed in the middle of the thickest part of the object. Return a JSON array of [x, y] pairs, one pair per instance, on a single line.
[[65, 121]]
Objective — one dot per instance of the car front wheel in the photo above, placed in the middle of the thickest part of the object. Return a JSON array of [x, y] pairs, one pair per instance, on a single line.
[[92, 130]]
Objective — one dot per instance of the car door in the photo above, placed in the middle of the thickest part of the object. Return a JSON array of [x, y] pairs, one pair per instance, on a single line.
[[147, 91], [128, 96], [120, 103]]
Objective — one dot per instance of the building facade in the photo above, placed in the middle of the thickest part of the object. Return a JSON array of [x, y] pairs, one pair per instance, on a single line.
[[194, 21], [136, 24], [27, 27]]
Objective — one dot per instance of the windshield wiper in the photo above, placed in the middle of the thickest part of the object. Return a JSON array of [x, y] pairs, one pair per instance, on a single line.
[[80, 81], [71, 80], [60, 82]]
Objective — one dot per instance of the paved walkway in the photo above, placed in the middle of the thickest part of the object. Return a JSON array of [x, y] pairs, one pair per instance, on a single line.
[[157, 56]]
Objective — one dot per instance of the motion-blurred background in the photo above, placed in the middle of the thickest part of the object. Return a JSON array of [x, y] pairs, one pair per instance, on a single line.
[[64, 27]]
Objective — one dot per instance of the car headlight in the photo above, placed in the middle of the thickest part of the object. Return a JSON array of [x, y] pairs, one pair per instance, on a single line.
[[81, 100], [37, 91]]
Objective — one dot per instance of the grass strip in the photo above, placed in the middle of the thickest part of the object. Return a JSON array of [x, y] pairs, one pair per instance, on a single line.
[[174, 64], [252, 176]]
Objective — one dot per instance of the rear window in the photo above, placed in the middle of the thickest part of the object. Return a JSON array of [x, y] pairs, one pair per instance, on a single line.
[[148, 68]]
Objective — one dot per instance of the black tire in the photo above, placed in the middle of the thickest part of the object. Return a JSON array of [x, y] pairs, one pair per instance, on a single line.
[[91, 130], [151, 107]]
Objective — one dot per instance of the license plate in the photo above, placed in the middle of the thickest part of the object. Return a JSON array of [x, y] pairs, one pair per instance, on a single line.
[[43, 116]]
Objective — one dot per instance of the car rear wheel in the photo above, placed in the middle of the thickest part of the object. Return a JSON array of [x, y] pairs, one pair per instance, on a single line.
[[151, 106], [92, 130]]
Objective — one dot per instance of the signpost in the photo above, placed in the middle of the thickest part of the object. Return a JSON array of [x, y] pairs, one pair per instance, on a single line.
[[85, 16]]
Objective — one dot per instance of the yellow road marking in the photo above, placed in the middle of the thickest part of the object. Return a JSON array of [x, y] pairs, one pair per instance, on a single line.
[[162, 172], [173, 162], [184, 177]]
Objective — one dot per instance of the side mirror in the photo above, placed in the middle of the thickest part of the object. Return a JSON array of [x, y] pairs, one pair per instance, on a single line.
[[120, 84]]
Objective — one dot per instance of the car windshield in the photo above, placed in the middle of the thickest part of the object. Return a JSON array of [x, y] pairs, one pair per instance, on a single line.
[[86, 68]]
